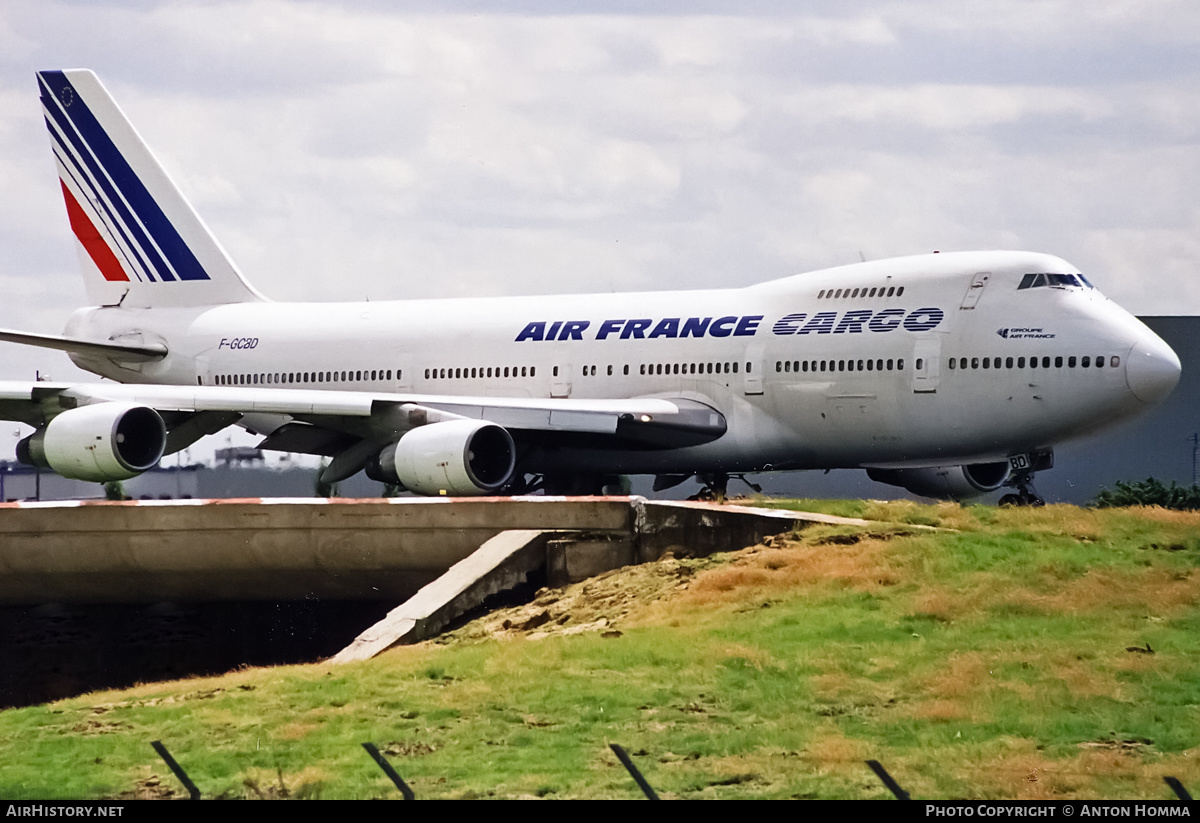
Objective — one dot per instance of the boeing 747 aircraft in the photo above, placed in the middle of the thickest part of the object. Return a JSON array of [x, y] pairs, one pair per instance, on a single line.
[[948, 374]]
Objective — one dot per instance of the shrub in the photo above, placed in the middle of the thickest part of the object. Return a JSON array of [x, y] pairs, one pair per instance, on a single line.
[[1149, 492]]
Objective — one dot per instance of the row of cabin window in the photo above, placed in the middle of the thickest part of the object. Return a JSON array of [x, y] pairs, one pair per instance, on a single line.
[[1085, 362], [838, 365], [586, 371], [671, 368], [496, 371], [280, 378], [878, 291], [690, 368], [590, 371]]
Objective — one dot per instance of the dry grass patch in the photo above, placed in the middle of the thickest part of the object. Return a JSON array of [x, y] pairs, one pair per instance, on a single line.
[[938, 604], [843, 693], [974, 596], [1083, 679], [942, 515], [965, 674], [1020, 770], [261, 784], [956, 691], [297, 730], [833, 684], [1087, 525], [1157, 514], [830, 751], [1032, 777], [1137, 663], [944, 710], [758, 658], [791, 564], [1153, 592], [1161, 591]]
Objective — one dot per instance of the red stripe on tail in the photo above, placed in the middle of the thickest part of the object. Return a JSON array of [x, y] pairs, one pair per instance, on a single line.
[[97, 249]]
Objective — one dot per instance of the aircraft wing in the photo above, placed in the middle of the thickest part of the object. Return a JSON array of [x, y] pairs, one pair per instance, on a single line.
[[351, 427]]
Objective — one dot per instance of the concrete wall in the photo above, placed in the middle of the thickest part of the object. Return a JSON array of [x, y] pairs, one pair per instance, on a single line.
[[235, 550]]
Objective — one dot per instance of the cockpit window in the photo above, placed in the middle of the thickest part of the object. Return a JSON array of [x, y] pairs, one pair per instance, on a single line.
[[1058, 281], [1064, 280]]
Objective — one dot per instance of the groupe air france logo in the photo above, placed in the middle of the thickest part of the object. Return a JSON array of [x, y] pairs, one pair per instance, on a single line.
[[1025, 334], [825, 322]]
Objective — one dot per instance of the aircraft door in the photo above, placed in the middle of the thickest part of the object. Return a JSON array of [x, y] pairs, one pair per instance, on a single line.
[[404, 376], [975, 291], [753, 380], [926, 357], [560, 380]]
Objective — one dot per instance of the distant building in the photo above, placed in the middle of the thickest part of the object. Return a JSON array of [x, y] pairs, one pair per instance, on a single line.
[[242, 478], [238, 455]]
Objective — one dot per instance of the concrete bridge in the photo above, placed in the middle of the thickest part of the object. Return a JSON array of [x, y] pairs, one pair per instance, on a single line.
[[313, 548]]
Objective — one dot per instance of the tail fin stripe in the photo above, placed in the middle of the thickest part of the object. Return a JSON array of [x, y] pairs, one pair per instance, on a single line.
[[96, 248], [122, 176], [106, 195], [117, 248], [122, 250], [69, 167]]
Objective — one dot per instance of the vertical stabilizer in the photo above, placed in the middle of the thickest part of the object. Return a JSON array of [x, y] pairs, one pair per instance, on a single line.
[[141, 243]]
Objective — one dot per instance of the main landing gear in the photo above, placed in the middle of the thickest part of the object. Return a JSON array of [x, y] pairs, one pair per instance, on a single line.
[[575, 485], [1021, 478], [716, 486]]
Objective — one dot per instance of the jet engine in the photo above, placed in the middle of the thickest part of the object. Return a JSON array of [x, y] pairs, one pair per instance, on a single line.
[[946, 482], [100, 442], [455, 457]]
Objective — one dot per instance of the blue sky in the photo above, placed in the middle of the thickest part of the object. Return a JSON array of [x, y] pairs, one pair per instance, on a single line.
[[386, 150]]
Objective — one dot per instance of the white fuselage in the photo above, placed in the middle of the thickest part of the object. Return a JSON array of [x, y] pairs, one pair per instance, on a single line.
[[907, 362]]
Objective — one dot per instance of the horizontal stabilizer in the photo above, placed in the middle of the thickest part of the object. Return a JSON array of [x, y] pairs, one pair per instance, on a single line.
[[114, 351]]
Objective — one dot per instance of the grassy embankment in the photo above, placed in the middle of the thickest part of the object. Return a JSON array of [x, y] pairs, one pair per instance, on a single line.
[[1050, 653]]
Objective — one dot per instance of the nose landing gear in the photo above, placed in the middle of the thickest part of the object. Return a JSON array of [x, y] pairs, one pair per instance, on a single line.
[[1021, 478]]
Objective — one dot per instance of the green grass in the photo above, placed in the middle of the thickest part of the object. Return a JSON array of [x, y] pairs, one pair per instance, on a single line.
[[988, 660]]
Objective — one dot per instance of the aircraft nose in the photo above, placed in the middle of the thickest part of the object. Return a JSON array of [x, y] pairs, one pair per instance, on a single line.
[[1151, 369]]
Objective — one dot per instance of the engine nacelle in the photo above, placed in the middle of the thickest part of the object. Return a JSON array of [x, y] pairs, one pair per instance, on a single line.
[[946, 482], [456, 457], [100, 442]]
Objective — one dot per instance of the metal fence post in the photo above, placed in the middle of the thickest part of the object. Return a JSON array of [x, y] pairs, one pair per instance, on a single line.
[[892, 785], [193, 792], [633, 771], [389, 771]]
